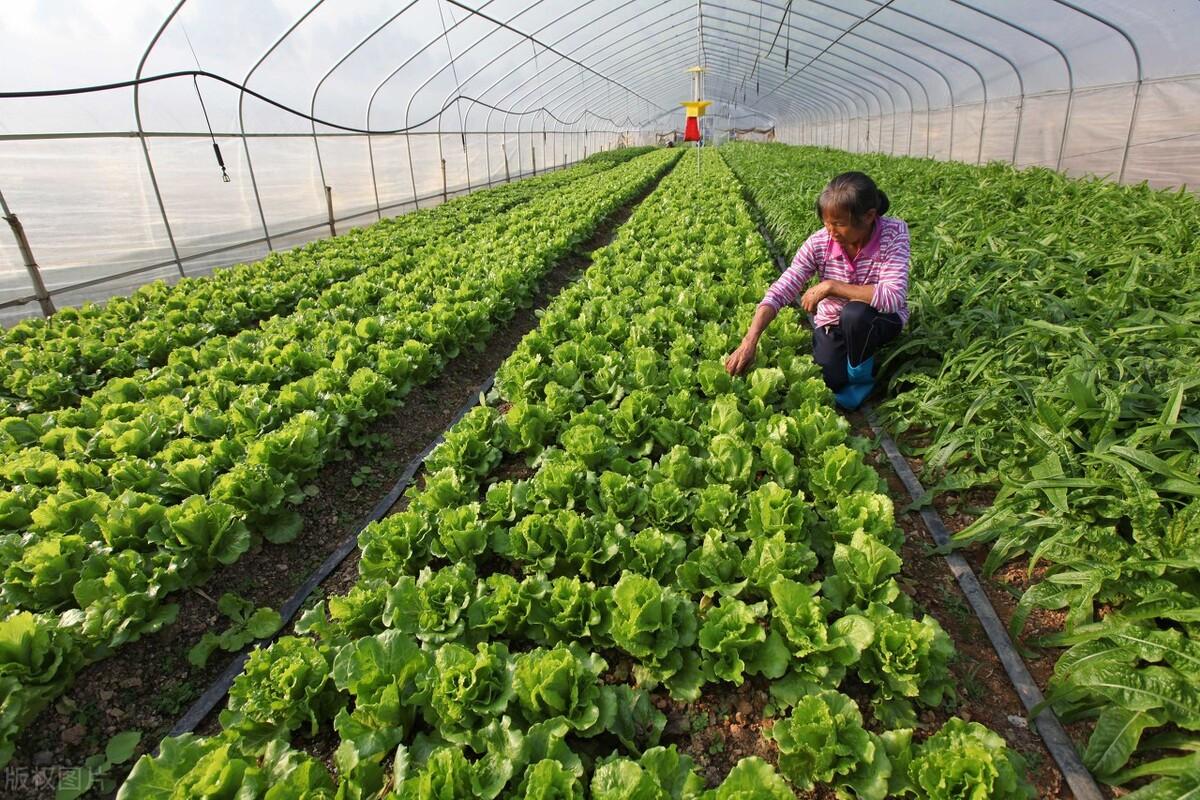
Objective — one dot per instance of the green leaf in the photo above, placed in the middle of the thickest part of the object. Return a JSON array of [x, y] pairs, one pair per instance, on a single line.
[[121, 747]]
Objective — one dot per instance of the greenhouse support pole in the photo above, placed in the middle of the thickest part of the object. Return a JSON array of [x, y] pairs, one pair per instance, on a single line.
[[35, 275], [329, 208], [137, 115], [533, 156], [507, 174], [1137, 99], [1137, 62], [445, 192]]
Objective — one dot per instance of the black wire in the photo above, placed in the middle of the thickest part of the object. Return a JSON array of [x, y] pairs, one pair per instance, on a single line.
[[105, 87]]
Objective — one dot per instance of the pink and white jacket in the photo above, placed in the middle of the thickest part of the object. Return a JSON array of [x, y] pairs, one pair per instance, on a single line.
[[882, 262]]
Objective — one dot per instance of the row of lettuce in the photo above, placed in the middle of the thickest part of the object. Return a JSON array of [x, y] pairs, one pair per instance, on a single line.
[[1052, 356], [153, 482], [57, 362], [621, 523]]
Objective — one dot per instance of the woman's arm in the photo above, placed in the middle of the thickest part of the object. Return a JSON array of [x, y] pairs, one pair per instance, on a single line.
[[743, 356], [831, 288]]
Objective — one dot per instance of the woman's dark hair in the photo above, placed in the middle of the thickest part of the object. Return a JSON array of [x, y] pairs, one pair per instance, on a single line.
[[853, 192]]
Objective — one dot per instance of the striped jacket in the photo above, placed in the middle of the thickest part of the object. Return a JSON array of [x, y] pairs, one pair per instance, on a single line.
[[882, 262]]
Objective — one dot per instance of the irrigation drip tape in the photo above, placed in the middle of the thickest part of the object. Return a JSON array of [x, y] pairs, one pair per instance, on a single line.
[[1061, 748], [216, 692]]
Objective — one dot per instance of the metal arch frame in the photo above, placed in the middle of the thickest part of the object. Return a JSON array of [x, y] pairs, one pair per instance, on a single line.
[[980, 45], [582, 89], [903, 53], [519, 66], [948, 54], [413, 96], [922, 62], [408, 145], [541, 74], [137, 113], [766, 64], [544, 75], [738, 64], [674, 41], [457, 106], [312, 103], [854, 31], [476, 12], [522, 64], [242, 115], [1137, 92], [544, 78], [504, 25], [1044, 40], [911, 104], [851, 114], [1020, 84]]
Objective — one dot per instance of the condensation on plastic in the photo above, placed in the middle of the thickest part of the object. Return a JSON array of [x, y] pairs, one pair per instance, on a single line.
[[1052, 83]]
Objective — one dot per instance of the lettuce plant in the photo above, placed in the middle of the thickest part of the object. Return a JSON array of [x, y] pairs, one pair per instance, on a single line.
[[656, 625], [283, 687], [840, 470], [399, 544], [966, 761], [189, 766], [500, 608], [37, 659], [863, 574], [548, 779], [823, 741], [653, 553], [713, 568], [559, 683], [566, 610], [769, 558], [382, 673], [433, 606], [908, 659], [774, 509], [732, 635], [751, 779], [662, 773], [466, 690]]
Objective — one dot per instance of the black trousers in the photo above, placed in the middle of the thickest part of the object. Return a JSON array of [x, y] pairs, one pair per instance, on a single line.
[[861, 332]]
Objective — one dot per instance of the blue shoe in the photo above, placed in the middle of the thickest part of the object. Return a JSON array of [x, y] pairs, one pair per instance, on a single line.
[[852, 395], [863, 372]]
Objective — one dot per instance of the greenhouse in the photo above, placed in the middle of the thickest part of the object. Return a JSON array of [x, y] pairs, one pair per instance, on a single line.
[[688, 400]]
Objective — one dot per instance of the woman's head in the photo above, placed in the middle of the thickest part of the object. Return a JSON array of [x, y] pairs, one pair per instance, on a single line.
[[849, 205]]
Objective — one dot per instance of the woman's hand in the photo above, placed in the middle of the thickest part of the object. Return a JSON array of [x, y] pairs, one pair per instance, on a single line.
[[815, 295], [741, 359]]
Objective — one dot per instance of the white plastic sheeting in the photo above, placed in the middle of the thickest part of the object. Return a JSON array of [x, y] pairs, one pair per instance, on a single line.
[[118, 187]]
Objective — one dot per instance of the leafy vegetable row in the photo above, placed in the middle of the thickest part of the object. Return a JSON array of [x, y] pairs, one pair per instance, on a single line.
[[1052, 356], [52, 363], [177, 481], [623, 522]]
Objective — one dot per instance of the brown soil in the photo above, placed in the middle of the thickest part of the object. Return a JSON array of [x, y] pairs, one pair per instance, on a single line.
[[148, 685]]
